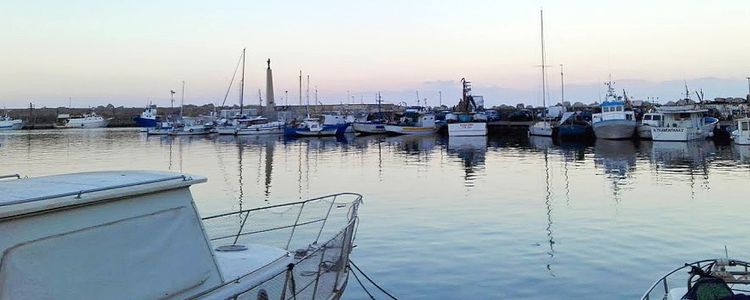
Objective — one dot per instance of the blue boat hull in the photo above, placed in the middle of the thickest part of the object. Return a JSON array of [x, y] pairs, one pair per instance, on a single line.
[[141, 122], [573, 131]]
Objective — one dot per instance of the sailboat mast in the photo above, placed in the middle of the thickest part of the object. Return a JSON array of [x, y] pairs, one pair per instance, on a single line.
[[307, 95], [182, 98], [562, 84], [300, 87], [544, 65], [242, 83]]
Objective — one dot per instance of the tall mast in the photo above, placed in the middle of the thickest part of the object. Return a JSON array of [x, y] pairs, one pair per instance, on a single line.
[[562, 85], [242, 83], [544, 65], [300, 87], [260, 101], [182, 98], [316, 95], [307, 96]]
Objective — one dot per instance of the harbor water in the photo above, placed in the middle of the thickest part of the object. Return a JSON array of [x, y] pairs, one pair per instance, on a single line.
[[467, 218]]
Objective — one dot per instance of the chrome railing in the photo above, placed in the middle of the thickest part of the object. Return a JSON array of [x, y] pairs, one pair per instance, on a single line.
[[320, 265], [738, 276]]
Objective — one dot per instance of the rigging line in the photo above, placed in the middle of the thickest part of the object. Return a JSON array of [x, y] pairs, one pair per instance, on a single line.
[[371, 281], [361, 284], [231, 81]]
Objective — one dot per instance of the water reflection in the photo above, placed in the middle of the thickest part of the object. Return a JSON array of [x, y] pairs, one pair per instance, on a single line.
[[472, 151], [617, 159]]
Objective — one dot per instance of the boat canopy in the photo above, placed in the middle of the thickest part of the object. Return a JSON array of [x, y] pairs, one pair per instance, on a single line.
[[567, 115]]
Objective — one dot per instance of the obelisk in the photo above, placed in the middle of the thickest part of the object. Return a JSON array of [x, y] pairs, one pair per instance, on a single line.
[[270, 104]]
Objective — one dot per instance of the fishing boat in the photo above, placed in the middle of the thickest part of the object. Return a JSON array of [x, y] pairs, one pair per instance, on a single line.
[[192, 126], [373, 124], [87, 120], [650, 120], [683, 123], [8, 123], [148, 118], [311, 127], [542, 127], [615, 122], [139, 235], [161, 128], [573, 126], [337, 120], [741, 136], [721, 278], [252, 126], [415, 121], [469, 122]]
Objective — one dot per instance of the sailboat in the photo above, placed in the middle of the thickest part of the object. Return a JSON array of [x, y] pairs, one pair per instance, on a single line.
[[543, 127], [310, 126]]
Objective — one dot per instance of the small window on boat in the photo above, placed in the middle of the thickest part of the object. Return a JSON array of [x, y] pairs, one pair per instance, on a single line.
[[619, 108], [628, 117], [684, 116], [657, 118], [745, 126], [647, 117]]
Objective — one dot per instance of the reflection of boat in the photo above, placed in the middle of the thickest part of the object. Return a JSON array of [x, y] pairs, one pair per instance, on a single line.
[[146, 225], [614, 122], [412, 143], [683, 123], [721, 278], [690, 153], [617, 158], [541, 142], [472, 151], [741, 136]]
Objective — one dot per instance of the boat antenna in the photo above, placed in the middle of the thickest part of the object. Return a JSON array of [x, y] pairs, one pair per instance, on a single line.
[[316, 94], [562, 85], [242, 83], [687, 92], [417, 98], [300, 87]]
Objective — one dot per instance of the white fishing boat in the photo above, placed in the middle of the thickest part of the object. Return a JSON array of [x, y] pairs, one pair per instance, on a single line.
[[8, 123], [542, 127], [683, 123], [468, 123], [650, 120], [138, 235], [311, 127], [192, 126], [414, 122], [88, 120], [251, 126], [615, 122], [741, 136], [721, 278], [371, 124]]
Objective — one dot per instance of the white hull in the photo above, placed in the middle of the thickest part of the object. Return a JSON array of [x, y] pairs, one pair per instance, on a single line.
[[11, 125], [644, 131], [467, 129], [677, 134], [78, 123], [409, 130], [541, 129], [368, 128], [741, 139], [614, 129], [327, 132], [252, 130]]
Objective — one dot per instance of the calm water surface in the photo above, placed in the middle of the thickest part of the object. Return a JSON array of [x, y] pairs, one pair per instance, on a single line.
[[498, 218]]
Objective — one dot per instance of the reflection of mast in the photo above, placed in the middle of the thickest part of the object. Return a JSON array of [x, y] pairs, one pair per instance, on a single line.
[[240, 178], [179, 148], [548, 203], [299, 165], [269, 167], [380, 161]]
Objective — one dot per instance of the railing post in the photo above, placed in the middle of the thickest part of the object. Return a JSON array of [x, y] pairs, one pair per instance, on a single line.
[[666, 288], [291, 235], [236, 238], [325, 219]]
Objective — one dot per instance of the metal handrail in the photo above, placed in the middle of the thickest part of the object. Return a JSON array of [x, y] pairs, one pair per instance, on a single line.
[[17, 176], [80, 193], [663, 279], [357, 199]]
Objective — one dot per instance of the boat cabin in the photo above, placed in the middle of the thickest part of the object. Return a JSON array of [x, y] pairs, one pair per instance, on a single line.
[[613, 110]]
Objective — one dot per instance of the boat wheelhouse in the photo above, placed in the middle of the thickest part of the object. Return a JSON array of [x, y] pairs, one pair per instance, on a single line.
[[148, 118], [138, 235], [683, 123], [8, 123], [615, 121], [414, 123], [650, 120], [741, 136]]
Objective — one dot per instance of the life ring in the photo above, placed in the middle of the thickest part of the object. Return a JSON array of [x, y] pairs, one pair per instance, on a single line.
[[190, 130]]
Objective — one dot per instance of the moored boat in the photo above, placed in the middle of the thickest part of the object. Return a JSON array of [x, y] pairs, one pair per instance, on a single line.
[[682, 123], [721, 278], [469, 122], [414, 122], [615, 121], [650, 120], [573, 126], [8, 123], [148, 118], [88, 120], [542, 127], [311, 127], [110, 230], [251, 126]]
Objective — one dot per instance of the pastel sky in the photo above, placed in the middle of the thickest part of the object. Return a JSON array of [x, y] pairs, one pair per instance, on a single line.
[[125, 52]]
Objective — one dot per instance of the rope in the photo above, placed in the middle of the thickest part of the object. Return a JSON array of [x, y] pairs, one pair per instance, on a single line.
[[370, 280], [362, 285]]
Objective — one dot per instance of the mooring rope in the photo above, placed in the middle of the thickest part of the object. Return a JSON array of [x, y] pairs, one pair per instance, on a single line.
[[370, 280]]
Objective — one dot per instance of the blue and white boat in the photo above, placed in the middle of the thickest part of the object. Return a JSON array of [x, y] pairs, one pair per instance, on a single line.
[[614, 122], [311, 127], [8, 123], [148, 117]]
